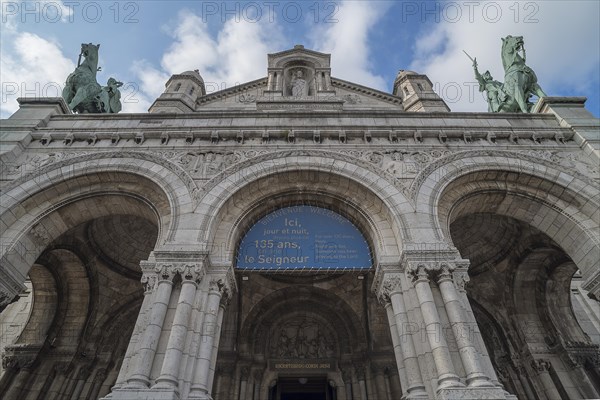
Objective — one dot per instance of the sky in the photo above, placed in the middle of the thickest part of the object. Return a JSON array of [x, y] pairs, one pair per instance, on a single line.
[[144, 42]]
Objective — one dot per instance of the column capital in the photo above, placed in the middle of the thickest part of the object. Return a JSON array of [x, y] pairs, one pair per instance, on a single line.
[[222, 279], [20, 356], [541, 365], [435, 265], [154, 272], [191, 272], [360, 371]]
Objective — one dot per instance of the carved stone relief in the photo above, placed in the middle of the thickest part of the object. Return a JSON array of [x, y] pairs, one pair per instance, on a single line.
[[405, 169], [302, 338]]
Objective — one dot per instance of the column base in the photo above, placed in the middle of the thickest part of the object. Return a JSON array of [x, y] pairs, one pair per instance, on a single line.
[[466, 393], [199, 396], [143, 394], [416, 396]]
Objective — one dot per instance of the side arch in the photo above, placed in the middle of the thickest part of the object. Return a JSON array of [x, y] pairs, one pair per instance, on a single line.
[[38, 208], [561, 204]]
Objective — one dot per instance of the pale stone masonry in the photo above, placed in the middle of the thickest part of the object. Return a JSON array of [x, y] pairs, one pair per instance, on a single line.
[[120, 233]]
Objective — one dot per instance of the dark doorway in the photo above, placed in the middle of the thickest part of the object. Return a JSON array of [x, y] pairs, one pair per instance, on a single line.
[[303, 396], [302, 388]]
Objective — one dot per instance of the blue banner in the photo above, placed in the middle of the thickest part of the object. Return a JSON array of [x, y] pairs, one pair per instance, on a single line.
[[303, 238]]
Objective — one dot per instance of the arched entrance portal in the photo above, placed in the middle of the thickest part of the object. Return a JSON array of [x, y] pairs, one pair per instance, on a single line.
[[304, 323]]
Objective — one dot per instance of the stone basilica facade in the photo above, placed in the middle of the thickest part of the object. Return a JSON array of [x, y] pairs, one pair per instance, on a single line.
[[126, 269]]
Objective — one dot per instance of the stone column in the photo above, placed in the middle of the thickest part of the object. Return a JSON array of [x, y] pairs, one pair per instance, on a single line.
[[460, 278], [99, 379], [257, 379], [149, 341], [62, 370], [149, 281], [543, 369], [462, 330], [392, 288], [22, 369], [195, 334], [433, 328], [347, 378], [362, 386], [18, 360], [215, 351], [81, 377], [210, 333], [380, 386], [395, 340], [327, 80], [319, 79], [355, 387], [392, 382], [169, 374], [244, 375]]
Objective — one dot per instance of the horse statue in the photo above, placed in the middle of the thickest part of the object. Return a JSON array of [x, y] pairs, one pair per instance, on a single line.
[[83, 93], [520, 82]]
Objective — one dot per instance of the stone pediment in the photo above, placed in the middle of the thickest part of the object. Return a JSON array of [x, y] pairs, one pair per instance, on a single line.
[[297, 80], [343, 95]]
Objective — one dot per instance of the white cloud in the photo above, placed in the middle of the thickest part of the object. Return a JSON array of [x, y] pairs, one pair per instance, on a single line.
[[348, 42], [562, 40], [33, 67], [30, 66], [236, 55]]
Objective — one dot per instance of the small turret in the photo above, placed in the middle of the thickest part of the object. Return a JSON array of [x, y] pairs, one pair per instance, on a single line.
[[417, 93], [181, 93]]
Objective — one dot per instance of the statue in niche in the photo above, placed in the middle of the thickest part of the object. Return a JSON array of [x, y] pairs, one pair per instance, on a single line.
[[285, 345], [298, 84]]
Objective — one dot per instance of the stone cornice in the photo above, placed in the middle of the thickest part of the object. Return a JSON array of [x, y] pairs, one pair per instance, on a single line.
[[232, 90], [366, 90]]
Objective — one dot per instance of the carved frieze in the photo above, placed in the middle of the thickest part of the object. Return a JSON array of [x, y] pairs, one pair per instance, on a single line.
[[405, 169], [35, 165], [304, 338]]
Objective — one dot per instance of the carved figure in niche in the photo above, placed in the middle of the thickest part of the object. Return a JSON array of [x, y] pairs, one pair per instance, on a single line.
[[301, 342], [324, 349], [285, 345], [298, 84], [313, 348]]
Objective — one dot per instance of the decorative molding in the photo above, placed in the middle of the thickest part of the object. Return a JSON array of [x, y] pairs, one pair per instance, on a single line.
[[574, 162], [37, 165]]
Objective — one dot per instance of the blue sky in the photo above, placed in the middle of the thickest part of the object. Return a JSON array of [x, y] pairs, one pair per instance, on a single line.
[[144, 42]]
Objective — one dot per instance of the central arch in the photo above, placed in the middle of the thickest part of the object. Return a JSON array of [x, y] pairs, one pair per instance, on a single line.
[[268, 308]]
